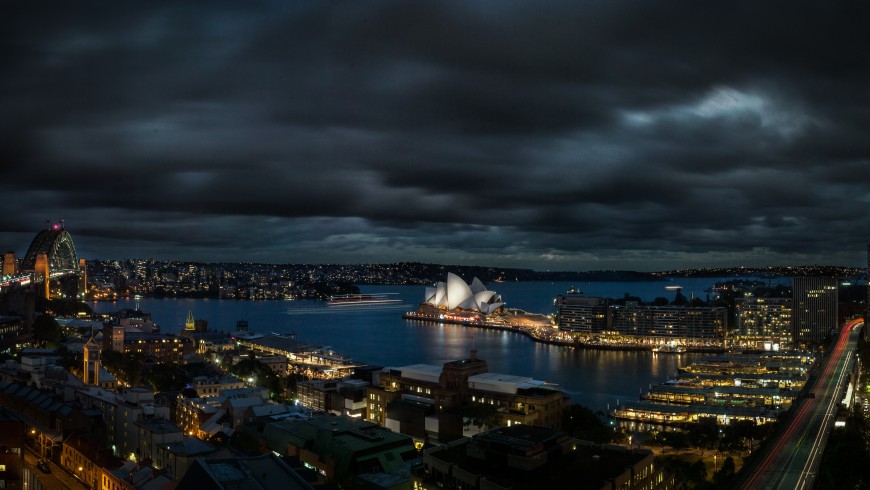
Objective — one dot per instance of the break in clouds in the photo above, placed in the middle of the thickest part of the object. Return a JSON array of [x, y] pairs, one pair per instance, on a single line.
[[550, 135]]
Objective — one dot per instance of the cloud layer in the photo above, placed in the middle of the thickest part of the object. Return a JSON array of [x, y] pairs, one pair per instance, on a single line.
[[551, 135]]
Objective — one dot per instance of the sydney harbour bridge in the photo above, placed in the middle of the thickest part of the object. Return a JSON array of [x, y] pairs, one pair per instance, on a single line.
[[50, 266]]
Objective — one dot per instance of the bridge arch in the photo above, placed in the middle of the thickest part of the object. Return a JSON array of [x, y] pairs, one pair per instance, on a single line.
[[58, 246]]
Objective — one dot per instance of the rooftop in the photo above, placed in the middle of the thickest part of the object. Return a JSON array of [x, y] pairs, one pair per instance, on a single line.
[[265, 472], [422, 372]]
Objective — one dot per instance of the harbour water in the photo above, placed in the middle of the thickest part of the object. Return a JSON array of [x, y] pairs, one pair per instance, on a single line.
[[378, 334]]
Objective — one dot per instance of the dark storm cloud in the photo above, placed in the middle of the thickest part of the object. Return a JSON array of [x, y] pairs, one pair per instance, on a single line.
[[560, 135]]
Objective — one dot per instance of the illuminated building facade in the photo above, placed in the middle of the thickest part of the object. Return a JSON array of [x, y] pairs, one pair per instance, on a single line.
[[457, 294], [91, 367], [764, 323], [84, 458], [11, 328], [340, 397], [582, 314], [160, 348], [815, 308], [121, 413], [641, 324], [190, 323], [206, 387], [450, 389], [867, 300], [664, 323], [10, 264]]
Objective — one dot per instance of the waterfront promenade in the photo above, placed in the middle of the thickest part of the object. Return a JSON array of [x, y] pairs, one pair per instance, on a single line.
[[553, 336]]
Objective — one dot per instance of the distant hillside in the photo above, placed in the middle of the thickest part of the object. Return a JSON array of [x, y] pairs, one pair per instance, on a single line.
[[430, 273]]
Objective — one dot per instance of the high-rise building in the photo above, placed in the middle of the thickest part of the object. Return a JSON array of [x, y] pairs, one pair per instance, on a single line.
[[764, 323], [867, 300], [693, 325], [815, 308], [646, 325], [582, 314]]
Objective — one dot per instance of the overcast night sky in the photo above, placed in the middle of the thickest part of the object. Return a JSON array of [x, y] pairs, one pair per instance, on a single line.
[[575, 135]]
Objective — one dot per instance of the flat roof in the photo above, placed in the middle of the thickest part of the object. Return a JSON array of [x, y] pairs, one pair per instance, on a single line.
[[502, 383], [422, 372], [264, 472], [727, 390]]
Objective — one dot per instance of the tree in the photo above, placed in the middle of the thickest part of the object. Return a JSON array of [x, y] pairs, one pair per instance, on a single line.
[[721, 477], [62, 306], [691, 475], [167, 377], [582, 423], [69, 360], [261, 374], [126, 367], [47, 331], [698, 473], [704, 433], [676, 439]]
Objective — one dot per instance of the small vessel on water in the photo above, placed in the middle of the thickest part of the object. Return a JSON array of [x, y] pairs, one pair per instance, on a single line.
[[362, 299], [669, 349], [573, 290]]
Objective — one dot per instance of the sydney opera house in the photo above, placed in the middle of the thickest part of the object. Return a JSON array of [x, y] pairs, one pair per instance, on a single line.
[[455, 295], [455, 301]]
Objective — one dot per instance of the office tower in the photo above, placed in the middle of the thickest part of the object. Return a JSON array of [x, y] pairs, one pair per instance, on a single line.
[[867, 300], [582, 314], [764, 323], [815, 308]]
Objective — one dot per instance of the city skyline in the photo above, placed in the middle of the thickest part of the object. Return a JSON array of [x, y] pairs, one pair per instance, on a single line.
[[549, 136]]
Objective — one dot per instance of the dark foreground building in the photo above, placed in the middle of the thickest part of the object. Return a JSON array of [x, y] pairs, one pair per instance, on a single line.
[[530, 457], [265, 472], [12, 453]]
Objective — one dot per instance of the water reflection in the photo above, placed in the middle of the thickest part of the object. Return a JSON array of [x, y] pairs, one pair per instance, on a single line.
[[380, 336]]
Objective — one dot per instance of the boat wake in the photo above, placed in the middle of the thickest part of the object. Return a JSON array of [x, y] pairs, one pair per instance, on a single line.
[[332, 309]]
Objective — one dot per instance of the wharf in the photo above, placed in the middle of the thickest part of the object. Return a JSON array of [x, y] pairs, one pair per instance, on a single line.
[[537, 336]]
